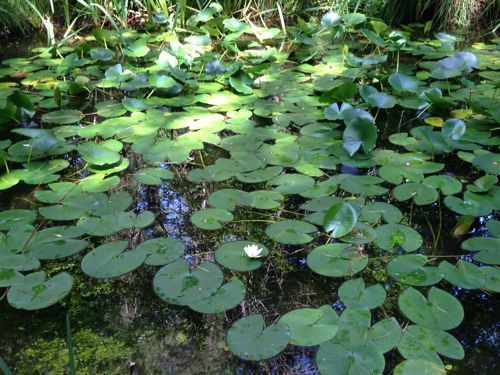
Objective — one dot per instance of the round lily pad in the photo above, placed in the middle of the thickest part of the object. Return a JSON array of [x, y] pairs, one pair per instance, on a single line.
[[418, 367], [410, 269], [333, 358], [67, 116], [228, 199], [421, 194], [228, 296], [175, 283], [161, 251], [211, 218], [337, 260], [488, 162], [360, 234], [321, 189], [98, 154], [440, 310], [375, 211], [363, 185], [291, 232], [310, 327], [391, 235], [291, 183], [355, 295], [34, 292], [232, 255], [9, 218], [9, 276], [340, 219], [248, 339], [487, 248], [425, 344], [491, 278], [259, 175], [447, 184], [153, 176], [465, 274], [111, 260]]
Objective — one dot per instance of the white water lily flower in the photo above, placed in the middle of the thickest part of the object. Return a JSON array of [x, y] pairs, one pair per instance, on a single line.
[[253, 251]]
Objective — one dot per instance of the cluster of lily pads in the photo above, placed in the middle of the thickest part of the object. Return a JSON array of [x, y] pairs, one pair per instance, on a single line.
[[286, 112]]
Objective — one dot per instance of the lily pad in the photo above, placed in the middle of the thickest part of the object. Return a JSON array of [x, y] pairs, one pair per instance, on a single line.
[[424, 344], [67, 116], [153, 176], [488, 249], [375, 211], [111, 260], [418, 367], [291, 232], [410, 269], [340, 219], [250, 340], [464, 275], [211, 218], [34, 292], [337, 260], [310, 327], [228, 296], [355, 295], [231, 255], [161, 251], [175, 283], [421, 194], [291, 183], [390, 236], [439, 311]]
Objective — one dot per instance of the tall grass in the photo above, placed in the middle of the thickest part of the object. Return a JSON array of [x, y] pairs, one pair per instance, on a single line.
[[25, 16]]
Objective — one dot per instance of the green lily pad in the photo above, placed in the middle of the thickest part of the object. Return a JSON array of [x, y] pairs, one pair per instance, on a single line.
[[402, 82], [10, 218], [228, 199], [161, 251], [310, 327], [483, 184], [34, 292], [153, 176], [439, 311], [99, 154], [211, 218], [333, 358], [359, 133], [391, 235], [467, 206], [19, 262], [228, 296], [375, 211], [447, 184], [465, 274], [9, 276], [424, 344], [421, 194], [175, 283], [492, 278], [488, 249], [291, 183], [259, 175], [337, 260], [488, 162], [111, 260], [418, 367], [265, 199], [232, 255], [410, 269], [291, 232], [321, 189], [355, 295], [363, 185], [340, 219], [249, 340], [67, 116]]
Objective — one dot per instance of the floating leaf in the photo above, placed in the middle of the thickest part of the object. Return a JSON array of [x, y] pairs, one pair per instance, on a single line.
[[375, 211], [34, 292], [440, 311], [355, 295], [337, 260], [68, 116], [292, 232], [211, 218], [418, 367], [487, 247], [310, 327], [175, 283], [423, 344], [111, 260], [340, 219], [228, 296], [161, 251], [291, 183], [390, 236], [232, 255], [402, 82], [465, 274], [421, 194], [153, 176], [249, 340], [359, 133], [410, 269]]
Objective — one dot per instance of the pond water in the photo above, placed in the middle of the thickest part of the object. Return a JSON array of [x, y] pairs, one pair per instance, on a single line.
[[120, 325]]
